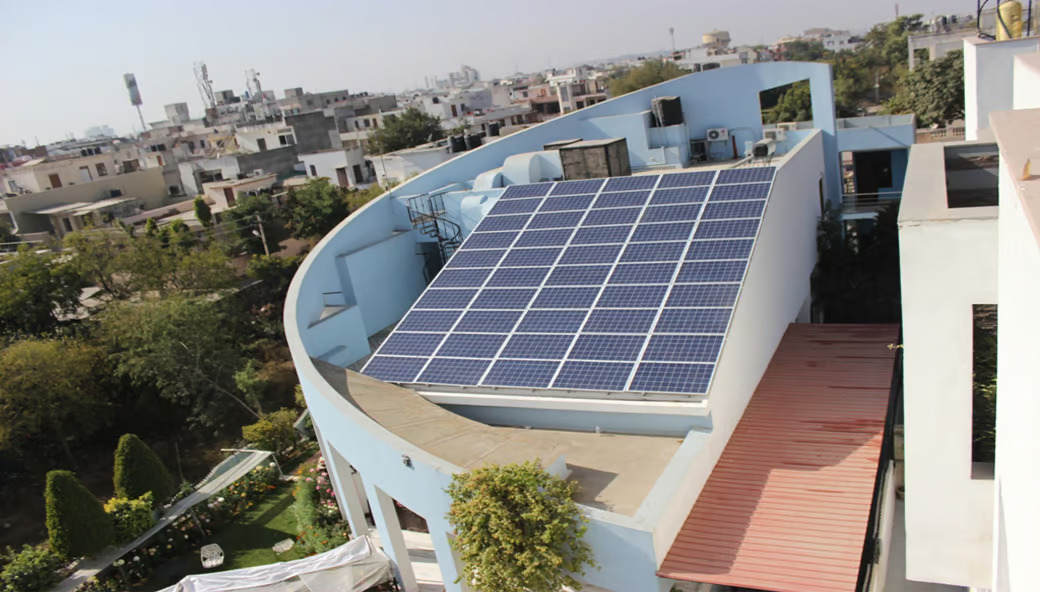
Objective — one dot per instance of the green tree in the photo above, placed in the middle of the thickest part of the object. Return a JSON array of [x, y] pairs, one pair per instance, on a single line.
[[359, 197], [202, 211], [130, 517], [240, 223], [98, 258], [51, 391], [649, 73], [804, 51], [411, 128], [32, 569], [274, 431], [795, 104], [151, 228], [184, 347], [316, 208], [934, 91], [138, 470], [518, 529], [36, 291], [76, 521]]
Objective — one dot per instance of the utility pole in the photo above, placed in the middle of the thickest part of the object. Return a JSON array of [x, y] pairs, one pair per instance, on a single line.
[[877, 88], [262, 235]]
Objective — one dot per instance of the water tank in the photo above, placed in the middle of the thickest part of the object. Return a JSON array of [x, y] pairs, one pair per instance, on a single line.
[[472, 141], [1009, 21], [716, 39], [494, 129], [457, 143]]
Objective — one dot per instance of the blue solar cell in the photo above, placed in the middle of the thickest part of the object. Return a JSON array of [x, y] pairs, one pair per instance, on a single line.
[[501, 298], [687, 179], [521, 373], [746, 228], [530, 257], [461, 278], [393, 369], [653, 252], [632, 296], [687, 379], [566, 298], [681, 213], [600, 235], [434, 298], [453, 371], [719, 249], [679, 196], [577, 187], [630, 183], [551, 321], [543, 238], [740, 192], [411, 344], [711, 271], [594, 376], [497, 223], [625, 199], [521, 191], [610, 348], [643, 273], [488, 321], [537, 347], [750, 175], [683, 348], [518, 277], [429, 320], [706, 295], [471, 345], [734, 209], [570, 202], [611, 216], [578, 275], [489, 240], [556, 220], [475, 258], [619, 321], [515, 206], [648, 233], [590, 254], [693, 320]]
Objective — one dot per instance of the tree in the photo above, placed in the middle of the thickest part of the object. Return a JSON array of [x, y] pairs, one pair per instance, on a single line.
[[51, 391], [184, 347], [934, 91], [409, 129], [795, 104], [803, 51], [275, 431], [649, 73], [138, 470], [202, 211], [315, 209], [240, 223], [98, 258], [36, 291], [359, 197], [76, 521], [517, 529]]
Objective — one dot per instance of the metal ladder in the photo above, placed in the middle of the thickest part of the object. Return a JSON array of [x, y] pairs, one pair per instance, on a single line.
[[428, 216]]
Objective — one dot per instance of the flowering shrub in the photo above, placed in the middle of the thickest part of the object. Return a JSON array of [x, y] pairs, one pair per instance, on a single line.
[[28, 570], [317, 514], [131, 517]]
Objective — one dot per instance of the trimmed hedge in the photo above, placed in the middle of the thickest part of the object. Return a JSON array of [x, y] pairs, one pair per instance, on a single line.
[[139, 470], [131, 517], [76, 521]]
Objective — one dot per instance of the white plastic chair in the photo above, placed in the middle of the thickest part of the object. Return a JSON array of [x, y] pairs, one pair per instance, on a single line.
[[212, 556]]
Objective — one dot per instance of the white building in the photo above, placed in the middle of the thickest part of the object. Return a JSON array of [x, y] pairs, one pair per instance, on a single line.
[[344, 167]]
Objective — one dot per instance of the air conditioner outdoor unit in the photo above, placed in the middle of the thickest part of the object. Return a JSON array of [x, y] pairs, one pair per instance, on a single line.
[[790, 127], [717, 134], [777, 135], [763, 148]]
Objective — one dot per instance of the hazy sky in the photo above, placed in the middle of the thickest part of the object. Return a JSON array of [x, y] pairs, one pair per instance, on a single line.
[[64, 59]]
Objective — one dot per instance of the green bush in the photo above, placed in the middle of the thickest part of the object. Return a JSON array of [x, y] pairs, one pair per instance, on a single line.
[[28, 570], [318, 520], [76, 520], [138, 470], [274, 431], [130, 517]]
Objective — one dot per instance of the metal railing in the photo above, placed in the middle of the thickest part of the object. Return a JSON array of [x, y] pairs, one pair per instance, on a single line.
[[861, 203]]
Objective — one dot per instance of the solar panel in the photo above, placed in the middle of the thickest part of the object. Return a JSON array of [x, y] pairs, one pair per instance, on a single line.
[[515, 206], [630, 183], [518, 277], [620, 285], [521, 373]]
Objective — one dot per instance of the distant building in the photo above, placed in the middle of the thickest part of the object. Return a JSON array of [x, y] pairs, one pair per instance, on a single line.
[[100, 131]]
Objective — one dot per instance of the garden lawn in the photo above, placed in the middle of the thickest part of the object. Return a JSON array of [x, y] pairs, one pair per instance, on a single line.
[[247, 542]]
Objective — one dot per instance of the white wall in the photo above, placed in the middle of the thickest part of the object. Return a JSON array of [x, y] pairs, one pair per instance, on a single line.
[[988, 80], [249, 138], [948, 261], [398, 167], [1027, 81], [326, 163]]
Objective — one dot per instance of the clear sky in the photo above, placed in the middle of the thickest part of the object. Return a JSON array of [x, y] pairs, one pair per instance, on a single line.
[[64, 59]]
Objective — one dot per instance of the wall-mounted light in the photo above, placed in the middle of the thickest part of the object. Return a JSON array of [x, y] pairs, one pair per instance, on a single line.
[[407, 460]]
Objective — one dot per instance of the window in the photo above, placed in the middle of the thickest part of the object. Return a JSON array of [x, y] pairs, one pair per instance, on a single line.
[[368, 124], [68, 225], [84, 174], [984, 383], [160, 160], [314, 171], [261, 144], [55, 180], [202, 144], [357, 125], [191, 146], [174, 190], [285, 140], [454, 111]]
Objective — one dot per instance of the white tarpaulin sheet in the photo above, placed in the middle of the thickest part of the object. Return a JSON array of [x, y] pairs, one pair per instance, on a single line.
[[353, 567]]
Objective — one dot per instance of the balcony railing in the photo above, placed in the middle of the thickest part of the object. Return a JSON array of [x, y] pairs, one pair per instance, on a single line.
[[942, 134], [868, 203]]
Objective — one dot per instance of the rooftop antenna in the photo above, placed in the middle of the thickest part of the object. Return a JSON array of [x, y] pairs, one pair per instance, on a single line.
[[671, 31], [135, 96], [205, 85]]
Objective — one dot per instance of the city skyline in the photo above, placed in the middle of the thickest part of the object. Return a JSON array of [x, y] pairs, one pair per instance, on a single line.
[[73, 80]]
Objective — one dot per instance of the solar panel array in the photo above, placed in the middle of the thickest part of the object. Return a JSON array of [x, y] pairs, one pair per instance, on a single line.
[[624, 284]]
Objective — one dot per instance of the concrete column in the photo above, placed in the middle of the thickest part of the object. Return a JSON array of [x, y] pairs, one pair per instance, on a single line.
[[447, 558], [391, 537], [351, 500]]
